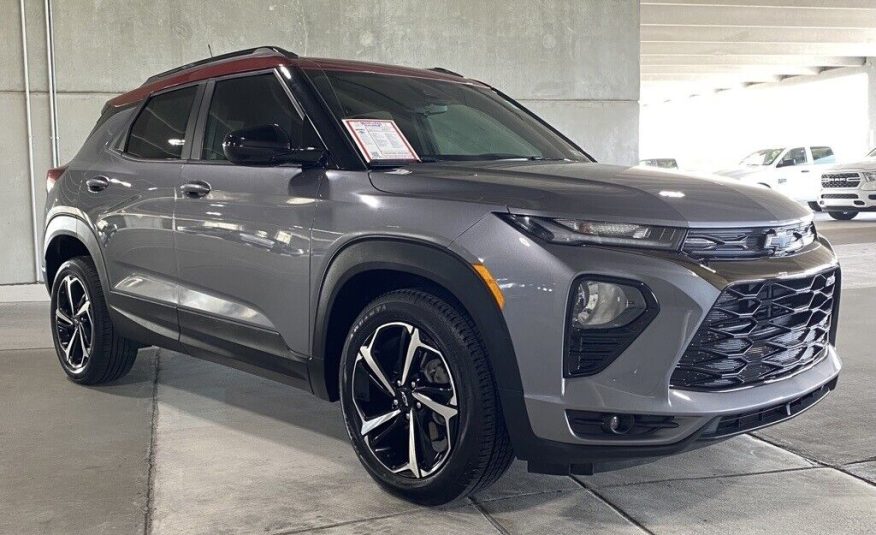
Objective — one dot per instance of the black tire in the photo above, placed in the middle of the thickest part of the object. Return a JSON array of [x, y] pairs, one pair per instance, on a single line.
[[109, 356], [480, 450], [843, 216]]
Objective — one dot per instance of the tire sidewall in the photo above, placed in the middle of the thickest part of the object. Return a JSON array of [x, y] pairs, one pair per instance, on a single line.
[[438, 327], [79, 269]]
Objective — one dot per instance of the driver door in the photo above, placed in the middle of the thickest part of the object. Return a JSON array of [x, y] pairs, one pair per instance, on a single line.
[[243, 235], [794, 174]]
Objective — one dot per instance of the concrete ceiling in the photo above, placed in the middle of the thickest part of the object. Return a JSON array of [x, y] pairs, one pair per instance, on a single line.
[[692, 47]]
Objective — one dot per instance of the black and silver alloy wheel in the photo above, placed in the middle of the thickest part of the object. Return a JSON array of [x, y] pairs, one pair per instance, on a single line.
[[405, 399], [74, 323], [84, 336], [419, 398]]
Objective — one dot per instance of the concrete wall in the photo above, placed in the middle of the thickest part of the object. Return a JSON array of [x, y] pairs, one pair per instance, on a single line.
[[574, 62]]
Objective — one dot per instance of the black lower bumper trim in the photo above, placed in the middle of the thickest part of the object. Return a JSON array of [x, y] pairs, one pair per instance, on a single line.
[[728, 426], [552, 457]]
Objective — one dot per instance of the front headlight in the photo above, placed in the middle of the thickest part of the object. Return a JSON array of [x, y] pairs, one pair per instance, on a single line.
[[605, 316], [869, 176], [577, 232], [604, 305]]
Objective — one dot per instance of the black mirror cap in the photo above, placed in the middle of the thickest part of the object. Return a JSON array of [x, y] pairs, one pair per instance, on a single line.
[[788, 162], [268, 144]]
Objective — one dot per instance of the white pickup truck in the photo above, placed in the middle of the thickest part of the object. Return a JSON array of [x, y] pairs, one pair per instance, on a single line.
[[793, 171], [849, 188]]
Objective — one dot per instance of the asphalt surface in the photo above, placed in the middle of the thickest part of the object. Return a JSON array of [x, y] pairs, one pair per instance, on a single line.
[[185, 446]]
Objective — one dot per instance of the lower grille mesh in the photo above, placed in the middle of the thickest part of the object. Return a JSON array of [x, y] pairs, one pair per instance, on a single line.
[[759, 331]]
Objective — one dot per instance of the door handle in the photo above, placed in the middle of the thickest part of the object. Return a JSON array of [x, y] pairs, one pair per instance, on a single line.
[[804, 170], [195, 189], [97, 183]]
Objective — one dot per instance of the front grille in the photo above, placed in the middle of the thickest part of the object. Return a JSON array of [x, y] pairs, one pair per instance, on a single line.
[[751, 242], [839, 196], [840, 180], [734, 424], [760, 331]]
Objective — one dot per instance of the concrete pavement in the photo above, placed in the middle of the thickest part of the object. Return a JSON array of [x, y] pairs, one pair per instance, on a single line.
[[186, 446]]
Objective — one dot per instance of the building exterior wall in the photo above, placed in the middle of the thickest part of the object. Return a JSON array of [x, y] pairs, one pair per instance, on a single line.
[[574, 62]]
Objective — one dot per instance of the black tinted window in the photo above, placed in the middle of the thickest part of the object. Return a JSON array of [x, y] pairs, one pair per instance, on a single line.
[[245, 103], [160, 130]]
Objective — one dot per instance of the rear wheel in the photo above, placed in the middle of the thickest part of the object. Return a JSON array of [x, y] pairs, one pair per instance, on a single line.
[[843, 216], [419, 399], [88, 348]]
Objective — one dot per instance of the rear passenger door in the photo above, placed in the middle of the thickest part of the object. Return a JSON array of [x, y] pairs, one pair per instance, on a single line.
[[243, 239], [130, 200]]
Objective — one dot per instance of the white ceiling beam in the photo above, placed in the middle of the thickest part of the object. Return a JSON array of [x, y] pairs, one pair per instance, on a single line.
[[759, 49], [772, 17], [743, 70], [750, 59], [816, 4], [726, 34], [713, 79]]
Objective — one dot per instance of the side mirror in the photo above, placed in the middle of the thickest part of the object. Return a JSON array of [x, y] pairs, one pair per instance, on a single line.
[[787, 162], [268, 145]]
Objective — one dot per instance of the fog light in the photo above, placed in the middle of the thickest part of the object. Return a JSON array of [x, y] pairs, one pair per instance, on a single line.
[[618, 424], [604, 305]]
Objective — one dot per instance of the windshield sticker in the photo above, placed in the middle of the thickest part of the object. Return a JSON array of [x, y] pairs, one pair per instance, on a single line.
[[380, 139]]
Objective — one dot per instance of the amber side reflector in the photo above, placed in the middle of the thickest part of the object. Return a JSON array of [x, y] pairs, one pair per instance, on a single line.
[[491, 284]]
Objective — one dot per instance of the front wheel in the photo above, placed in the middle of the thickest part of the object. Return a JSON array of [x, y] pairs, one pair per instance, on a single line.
[[419, 399], [843, 216]]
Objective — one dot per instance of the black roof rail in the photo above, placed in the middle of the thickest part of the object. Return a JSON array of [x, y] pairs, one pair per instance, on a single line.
[[237, 53], [442, 70]]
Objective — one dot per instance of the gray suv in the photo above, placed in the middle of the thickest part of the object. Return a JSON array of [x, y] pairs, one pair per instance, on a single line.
[[467, 281]]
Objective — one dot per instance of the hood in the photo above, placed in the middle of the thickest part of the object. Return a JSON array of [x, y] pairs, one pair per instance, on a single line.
[[596, 192], [739, 172], [863, 165]]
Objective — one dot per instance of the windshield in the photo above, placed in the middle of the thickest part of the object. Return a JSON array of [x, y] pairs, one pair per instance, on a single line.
[[761, 157], [444, 120]]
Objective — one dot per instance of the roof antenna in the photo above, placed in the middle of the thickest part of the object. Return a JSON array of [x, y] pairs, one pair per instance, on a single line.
[[210, 49]]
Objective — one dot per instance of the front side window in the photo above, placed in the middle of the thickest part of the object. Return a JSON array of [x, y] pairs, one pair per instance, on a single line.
[[159, 132], [795, 156], [444, 120], [246, 103]]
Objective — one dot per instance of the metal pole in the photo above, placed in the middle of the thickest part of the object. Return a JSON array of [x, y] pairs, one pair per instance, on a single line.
[[33, 195], [53, 93]]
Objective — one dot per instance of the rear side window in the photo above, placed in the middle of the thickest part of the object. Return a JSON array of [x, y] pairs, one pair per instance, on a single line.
[[245, 103], [822, 155], [159, 132]]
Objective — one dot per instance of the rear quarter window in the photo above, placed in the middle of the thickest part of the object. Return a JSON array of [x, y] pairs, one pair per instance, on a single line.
[[159, 132]]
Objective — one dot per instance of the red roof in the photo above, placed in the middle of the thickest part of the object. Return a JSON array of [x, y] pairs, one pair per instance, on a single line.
[[267, 60]]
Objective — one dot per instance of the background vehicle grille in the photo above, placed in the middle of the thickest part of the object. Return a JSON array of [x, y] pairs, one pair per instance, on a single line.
[[760, 331], [839, 196], [840, 180], [740, 243]]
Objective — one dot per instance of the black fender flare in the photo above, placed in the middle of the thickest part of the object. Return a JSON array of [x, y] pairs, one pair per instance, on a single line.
[[65, 224], [446, 269]]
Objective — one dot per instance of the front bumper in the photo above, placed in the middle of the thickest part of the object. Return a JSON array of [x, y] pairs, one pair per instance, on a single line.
[[536, 278], [847, 200]]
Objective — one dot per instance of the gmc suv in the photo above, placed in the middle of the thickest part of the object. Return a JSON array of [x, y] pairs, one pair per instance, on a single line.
[[467, 281]]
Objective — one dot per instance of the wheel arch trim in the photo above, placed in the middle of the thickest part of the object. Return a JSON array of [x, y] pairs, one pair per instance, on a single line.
[[427, 260], [72, 225]]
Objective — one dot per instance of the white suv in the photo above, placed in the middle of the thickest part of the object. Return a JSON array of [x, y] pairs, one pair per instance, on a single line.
[[790, 171], [849, 189]]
